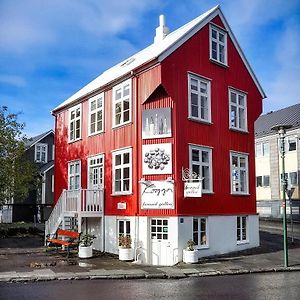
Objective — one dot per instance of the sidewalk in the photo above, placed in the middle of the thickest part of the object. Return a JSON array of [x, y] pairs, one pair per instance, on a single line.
[[35, 264]]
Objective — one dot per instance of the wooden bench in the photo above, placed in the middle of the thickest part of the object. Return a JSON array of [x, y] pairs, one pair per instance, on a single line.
[[72, 240]]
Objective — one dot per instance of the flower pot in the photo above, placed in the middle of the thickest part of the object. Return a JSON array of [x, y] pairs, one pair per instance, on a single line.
[[85, 252], [125, 254], [190, 257]]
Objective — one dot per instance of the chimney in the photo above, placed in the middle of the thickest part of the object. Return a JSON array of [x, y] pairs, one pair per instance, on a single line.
[[162, 30]]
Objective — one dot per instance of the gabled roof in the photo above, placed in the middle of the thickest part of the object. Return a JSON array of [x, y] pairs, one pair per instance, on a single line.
[[33, 140], [289, 115], [159, 51]]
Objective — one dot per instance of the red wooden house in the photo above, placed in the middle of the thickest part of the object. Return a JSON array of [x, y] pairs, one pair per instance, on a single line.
[[161, 147]]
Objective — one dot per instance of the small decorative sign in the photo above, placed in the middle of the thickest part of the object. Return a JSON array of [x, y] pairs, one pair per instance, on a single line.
[[157, 159], [157, 194], [121, 205], [193, 189]]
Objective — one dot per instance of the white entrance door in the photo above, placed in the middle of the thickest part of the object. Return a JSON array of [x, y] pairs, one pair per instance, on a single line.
[[161, 248]]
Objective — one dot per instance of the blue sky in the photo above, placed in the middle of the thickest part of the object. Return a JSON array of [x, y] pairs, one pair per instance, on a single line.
[[51, 49]]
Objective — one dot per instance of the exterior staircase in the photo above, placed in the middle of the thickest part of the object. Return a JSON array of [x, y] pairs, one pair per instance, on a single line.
[[72, 207]]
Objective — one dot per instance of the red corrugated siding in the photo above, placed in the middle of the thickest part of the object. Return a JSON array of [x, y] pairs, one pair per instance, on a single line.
[[194, 56]]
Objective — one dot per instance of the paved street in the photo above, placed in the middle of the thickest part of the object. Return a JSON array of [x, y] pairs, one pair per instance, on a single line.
[[253, 286]]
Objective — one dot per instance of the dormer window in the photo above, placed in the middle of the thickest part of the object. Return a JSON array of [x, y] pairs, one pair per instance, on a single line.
[[41, 150], [218, 45]]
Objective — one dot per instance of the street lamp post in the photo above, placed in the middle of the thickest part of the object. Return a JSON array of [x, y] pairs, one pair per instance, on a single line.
[[281, 129]]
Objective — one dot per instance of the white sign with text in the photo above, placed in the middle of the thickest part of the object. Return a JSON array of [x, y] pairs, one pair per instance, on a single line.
[[157, 195], [193, 189]]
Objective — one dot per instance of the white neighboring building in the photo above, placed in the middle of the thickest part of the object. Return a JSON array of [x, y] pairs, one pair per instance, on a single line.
[[268, 161]]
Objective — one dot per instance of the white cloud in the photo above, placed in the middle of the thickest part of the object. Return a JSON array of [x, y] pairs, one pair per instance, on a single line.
[[25, 25], [14, 80]]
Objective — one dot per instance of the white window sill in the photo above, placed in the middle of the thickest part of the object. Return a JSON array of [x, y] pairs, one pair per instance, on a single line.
[[121, 125], [202, 247], [240, 194], [219, 63], [207, 122], [242, 242], [122, 194], [239, 130], [96, 133], [74, 141]]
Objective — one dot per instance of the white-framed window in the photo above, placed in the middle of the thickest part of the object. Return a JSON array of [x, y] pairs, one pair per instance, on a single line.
[[262, 149], [237, 110], [75, 123], [121, 103], [123, 228], [96, 114], [218, 44], [74, 175], [159, 229], [122, 171], [200, 162], [263, 181], [291, 177], [200, 232], [199, 98], [241, 229], [291, 144], [239, 173], [41, 153], [96, 172]]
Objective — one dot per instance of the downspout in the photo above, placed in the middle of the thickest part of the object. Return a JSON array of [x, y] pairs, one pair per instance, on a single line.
[[137, 219]]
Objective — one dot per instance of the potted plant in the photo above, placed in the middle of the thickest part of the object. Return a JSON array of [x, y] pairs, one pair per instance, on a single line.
[[85, 246], [125, 250], [190, 254]]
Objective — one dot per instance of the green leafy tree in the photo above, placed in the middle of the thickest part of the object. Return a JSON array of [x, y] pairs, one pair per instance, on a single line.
[[18, 176]]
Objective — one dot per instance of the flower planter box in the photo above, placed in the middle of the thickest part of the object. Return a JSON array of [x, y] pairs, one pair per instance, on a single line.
[[125, 254], [190, 257], [85, 252]]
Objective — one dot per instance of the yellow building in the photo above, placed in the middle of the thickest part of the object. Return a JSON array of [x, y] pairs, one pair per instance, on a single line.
[[268, 162]]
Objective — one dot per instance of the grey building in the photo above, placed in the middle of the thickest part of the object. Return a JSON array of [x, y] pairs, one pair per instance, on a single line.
[[268, 162], [38, 205]]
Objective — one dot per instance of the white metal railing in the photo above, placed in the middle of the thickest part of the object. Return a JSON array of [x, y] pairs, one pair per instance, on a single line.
[[87, 202]]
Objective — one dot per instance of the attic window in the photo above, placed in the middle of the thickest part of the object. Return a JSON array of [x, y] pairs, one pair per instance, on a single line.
[[218, 45], [128, 62]]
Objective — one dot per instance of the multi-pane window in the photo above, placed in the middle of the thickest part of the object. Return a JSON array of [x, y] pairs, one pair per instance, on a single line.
[[41, 151], [200, 160], [200, 231], [159, 229], [96, 172], [291, 177], [262, 149], [263, 181], [123, 228], [199, 98], [239, 173], [218, 45], [75, 123], [96, 112], [237, 110], [74, 175], [122, 103], [241, 229], [122, 171]]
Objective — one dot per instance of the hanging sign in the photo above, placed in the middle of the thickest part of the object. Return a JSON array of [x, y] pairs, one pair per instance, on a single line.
[[157, 194], [193, 189]]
